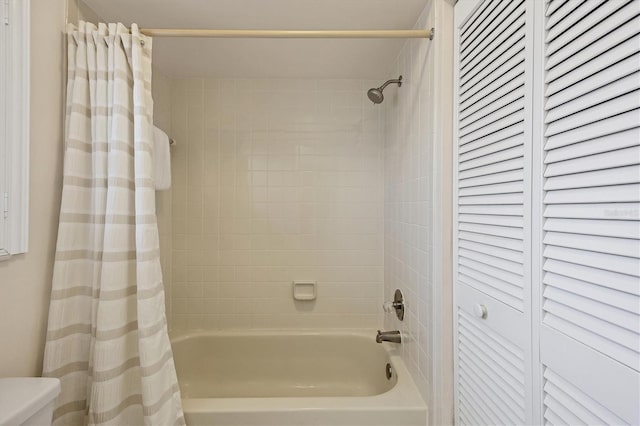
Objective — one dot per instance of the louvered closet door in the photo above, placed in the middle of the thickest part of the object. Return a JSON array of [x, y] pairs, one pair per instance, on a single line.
[[590, 333], [492, 219]]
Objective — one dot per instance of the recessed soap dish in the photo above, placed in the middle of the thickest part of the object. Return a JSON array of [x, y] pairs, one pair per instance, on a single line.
[[304, 290]]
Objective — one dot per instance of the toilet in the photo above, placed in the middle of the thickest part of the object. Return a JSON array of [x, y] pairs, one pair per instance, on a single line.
[[27, 401]]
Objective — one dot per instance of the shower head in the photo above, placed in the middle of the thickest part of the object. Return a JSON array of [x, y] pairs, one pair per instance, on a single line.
[[375, 94]]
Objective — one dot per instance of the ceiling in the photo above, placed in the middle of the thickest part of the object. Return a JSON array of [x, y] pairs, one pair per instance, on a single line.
[[268, 58]]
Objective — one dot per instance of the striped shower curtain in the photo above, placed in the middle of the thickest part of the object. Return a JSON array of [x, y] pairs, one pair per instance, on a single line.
[[107, 336]]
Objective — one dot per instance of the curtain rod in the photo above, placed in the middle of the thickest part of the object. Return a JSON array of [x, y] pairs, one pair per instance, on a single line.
[[171, 32]]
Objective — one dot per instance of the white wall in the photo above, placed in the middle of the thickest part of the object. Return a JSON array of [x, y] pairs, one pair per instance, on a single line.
[[409, 139], [417, 120], [442, 349], [274, 181]]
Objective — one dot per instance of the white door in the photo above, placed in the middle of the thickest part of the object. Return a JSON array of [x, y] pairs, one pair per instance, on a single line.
[[590, 295], [547, 121], [492, 241]]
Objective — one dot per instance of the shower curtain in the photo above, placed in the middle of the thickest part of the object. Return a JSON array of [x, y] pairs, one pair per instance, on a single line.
[[107, 336]]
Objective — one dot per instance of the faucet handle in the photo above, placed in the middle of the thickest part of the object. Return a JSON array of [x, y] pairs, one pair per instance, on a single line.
[[396, 305]]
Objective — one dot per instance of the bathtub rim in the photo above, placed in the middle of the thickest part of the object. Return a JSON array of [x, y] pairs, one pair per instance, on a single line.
[[401, 397]]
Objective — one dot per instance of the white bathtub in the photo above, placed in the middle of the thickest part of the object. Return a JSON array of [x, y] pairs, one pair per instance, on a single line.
[[276, 378]]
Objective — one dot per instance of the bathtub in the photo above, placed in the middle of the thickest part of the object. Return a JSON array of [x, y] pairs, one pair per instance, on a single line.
[[280, 378]]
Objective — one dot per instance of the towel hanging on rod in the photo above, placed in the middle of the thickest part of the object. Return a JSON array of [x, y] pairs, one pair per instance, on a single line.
[[161, 160]]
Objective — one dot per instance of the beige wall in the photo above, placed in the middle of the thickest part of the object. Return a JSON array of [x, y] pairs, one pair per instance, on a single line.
[[25, 280], [78, 11]]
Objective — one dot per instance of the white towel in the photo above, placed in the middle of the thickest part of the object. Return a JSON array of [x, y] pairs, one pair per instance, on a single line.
[[161, 160]]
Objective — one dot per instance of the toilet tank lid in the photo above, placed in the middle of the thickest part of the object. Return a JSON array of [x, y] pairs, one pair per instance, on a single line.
[[22, 397]]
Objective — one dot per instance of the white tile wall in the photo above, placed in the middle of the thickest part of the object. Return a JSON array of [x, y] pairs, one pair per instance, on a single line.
[[408, 181], [275, 181]]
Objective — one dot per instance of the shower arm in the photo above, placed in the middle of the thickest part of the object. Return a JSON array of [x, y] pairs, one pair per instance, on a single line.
[[398, 81]]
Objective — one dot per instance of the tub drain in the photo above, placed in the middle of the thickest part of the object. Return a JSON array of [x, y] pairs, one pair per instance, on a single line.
[[388, 371]]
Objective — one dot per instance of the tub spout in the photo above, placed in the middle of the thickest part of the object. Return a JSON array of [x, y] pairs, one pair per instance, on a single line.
[[388, 336]]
